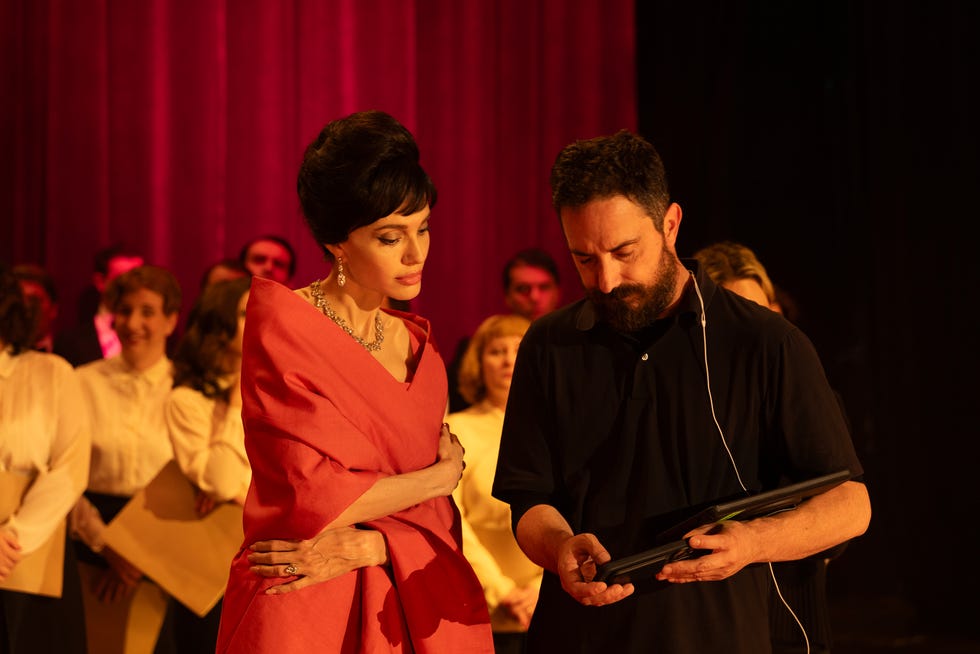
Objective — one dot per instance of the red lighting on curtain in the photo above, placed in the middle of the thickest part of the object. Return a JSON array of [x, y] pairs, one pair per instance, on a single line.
[[177, 127]]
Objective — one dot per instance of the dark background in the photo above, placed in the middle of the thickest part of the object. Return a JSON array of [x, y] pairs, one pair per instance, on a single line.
[[839, 140]]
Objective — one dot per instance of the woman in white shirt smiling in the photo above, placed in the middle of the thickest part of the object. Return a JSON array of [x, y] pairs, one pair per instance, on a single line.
[[130, 444]]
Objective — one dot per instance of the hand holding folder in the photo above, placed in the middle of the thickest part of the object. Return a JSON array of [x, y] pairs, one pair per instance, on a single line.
[[41, 571], [161, 533]]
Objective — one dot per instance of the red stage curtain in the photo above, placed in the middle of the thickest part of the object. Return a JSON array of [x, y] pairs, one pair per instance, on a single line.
[[178, 126]]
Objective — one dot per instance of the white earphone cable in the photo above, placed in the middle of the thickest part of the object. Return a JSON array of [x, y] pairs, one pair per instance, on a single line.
[[721, 433]]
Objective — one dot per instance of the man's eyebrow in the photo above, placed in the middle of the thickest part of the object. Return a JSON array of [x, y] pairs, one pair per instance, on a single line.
[[632, 241], [627, 243]]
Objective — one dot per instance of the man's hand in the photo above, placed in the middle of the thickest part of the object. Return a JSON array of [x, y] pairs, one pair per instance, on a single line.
[[577, 559], [732, 548]]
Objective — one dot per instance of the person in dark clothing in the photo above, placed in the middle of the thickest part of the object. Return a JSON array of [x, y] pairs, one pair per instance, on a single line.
[[657, 393], [802, 584], [269, 256], [94, 337]]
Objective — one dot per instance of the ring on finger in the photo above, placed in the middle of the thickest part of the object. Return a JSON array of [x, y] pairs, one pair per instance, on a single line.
[[291, 569]]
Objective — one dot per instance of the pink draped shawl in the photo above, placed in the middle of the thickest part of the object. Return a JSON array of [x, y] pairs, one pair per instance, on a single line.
[[323, 421]]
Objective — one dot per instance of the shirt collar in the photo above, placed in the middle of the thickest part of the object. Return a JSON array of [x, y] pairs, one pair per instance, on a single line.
[[587, 317], [118, 366]]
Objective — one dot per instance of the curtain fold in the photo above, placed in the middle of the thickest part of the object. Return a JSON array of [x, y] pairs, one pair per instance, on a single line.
[[177, 127]]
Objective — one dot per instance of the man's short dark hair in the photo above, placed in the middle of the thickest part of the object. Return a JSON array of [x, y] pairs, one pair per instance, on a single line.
[[228, 264], [107, 254], [622, 164], [243, 254], [534, 257]]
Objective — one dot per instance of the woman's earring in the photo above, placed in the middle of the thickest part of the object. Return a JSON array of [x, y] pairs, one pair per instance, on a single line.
[[341, 277]]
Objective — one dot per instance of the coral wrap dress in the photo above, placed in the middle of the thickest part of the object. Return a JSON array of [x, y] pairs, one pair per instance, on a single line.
[[323, 422]]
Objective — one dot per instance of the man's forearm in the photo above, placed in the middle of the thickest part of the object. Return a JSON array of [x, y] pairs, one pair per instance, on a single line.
[[821, 522], [540, 531]]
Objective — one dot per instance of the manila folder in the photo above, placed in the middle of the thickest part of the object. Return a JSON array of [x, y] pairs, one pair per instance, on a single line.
[[40, 572], [160, 533]]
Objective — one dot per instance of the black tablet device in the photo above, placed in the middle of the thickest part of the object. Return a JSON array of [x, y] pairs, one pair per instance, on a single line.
[[645, 564], [648, 563]]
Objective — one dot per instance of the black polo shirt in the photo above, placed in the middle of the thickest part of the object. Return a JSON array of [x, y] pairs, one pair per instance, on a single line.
[[616, 432]]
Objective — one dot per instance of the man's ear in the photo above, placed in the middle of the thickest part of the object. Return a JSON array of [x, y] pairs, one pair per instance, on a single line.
[[672, 223]]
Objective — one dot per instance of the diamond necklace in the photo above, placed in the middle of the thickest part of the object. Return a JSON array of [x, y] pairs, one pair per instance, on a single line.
[[321, 303]]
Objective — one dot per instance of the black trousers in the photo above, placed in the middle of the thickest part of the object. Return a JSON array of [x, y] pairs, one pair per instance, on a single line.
[[35, 624], [185, 633]]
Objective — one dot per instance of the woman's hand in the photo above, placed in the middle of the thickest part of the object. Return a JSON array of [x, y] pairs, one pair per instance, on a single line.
[[520, 603], [203, 503], [119, 581], [329, 554], [9, 554], [450, 458]]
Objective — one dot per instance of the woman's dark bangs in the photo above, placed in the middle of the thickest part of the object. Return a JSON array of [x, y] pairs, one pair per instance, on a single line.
[[405, 189]]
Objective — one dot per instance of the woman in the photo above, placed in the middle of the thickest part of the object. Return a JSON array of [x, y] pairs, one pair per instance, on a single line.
[[130, 444], [352, 543], [203, 415], [510, 580], [802, 584], [44, 457]]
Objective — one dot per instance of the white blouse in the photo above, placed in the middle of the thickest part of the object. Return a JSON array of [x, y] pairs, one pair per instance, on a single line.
[[488, 541], [44, 431], [130, 441], [209, 443]]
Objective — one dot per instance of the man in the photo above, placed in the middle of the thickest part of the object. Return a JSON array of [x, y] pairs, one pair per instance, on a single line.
[[40, 292], [94, 337], [222, 271], [657, 393], [532, 288], [271, 257]]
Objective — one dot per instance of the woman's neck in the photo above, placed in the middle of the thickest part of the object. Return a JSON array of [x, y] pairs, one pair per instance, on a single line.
[[357, 308], [496, 399]]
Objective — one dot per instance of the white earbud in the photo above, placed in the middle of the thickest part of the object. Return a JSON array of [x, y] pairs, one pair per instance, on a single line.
[[711, 402], [707, 381], [697, 289]]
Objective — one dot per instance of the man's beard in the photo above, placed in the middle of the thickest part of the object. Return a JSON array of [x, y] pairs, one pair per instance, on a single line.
[[631, 307]]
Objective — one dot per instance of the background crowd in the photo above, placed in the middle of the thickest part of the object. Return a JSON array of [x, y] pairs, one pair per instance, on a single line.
[[837, 139]]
